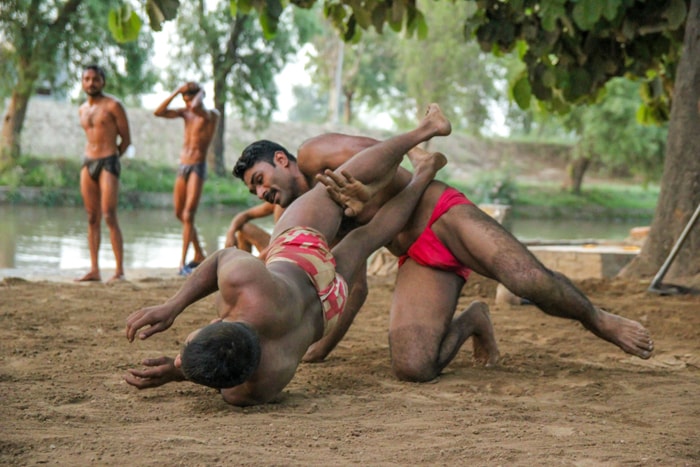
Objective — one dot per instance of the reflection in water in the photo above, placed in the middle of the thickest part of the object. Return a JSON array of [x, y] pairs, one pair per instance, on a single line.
[[51, 238]]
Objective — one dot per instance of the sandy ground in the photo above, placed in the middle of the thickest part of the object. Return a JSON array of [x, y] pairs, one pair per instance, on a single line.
[[559, 397]]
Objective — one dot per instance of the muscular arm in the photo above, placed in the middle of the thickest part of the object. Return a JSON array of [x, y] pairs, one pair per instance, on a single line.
[[122, 127], [242, 218], [329, 151], [163, 111], [201, 283]]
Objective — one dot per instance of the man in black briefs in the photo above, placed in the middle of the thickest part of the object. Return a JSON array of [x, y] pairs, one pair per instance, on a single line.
[[200, 127], [104, 120]]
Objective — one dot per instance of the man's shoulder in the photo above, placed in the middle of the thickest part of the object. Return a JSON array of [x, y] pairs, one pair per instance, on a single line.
[[112, 102]]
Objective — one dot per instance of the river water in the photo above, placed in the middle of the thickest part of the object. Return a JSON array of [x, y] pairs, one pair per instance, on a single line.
[[51, 240]]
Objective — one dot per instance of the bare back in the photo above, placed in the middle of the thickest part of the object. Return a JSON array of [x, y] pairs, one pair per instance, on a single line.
[[281, 304]]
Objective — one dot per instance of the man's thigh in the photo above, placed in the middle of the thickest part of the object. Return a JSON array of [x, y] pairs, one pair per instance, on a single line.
[[424, 297]]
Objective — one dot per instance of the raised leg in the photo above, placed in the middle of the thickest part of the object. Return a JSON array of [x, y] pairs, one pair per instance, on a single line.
[[378, 162]]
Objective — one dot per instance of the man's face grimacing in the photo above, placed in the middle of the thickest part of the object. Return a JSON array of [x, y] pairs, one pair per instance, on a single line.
[[272, 183]]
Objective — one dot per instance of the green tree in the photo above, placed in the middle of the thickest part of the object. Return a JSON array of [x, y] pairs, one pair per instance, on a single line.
[[231, 50], [610, 133], [47, 43], [441, 67], [311, 105], [367, 69]]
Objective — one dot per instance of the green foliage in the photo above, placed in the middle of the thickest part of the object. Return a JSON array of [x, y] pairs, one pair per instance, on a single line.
[[50, 42], [610, 132], [573, 47], [59, 181], [497, 187], [443, 68], [234, 53], [608, 200], [311, 105], [124, 23], [612, 197], [36, 172], [159, 11], [140, 175]]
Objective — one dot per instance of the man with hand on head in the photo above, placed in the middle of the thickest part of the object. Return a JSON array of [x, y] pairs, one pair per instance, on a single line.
[[200, 127]]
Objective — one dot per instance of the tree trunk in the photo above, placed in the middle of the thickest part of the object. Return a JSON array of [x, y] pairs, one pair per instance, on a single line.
[[576, 171], [347, 108], [680, 183], [216, 152], [12, 128]]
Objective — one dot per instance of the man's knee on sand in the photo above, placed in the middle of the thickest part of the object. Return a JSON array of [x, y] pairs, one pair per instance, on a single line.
[[413, 358]]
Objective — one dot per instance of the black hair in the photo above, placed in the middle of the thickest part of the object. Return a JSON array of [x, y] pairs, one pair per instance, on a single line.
[[262, 150], [97, 69], [222, 355], [195, 88]]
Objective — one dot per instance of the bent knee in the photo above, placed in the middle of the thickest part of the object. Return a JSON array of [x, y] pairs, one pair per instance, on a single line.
[[414, 353], [409, 371]]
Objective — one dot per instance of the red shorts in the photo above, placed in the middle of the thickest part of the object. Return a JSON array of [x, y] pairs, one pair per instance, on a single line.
[[308, 249], [428, 250]]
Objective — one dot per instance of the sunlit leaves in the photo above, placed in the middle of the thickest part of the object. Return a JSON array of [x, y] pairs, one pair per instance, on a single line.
[[124, 23], [160, 11], [573, 47]]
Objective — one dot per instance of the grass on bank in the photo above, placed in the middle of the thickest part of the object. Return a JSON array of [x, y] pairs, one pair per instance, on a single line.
[[58, 183]]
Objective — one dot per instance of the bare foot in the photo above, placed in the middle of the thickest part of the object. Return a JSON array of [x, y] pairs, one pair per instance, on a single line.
[[435, 119], [116, 278], [629, 335], [485, 348], [424, 160], [506, 297], [92, 276]]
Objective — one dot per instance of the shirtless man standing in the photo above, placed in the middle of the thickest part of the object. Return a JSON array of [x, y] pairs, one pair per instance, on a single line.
[[104, 119], [444, 240], [269, 312], [200, 127]]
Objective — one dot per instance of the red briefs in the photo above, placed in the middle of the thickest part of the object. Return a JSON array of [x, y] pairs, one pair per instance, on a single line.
[[428, 250], [308, 249]]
